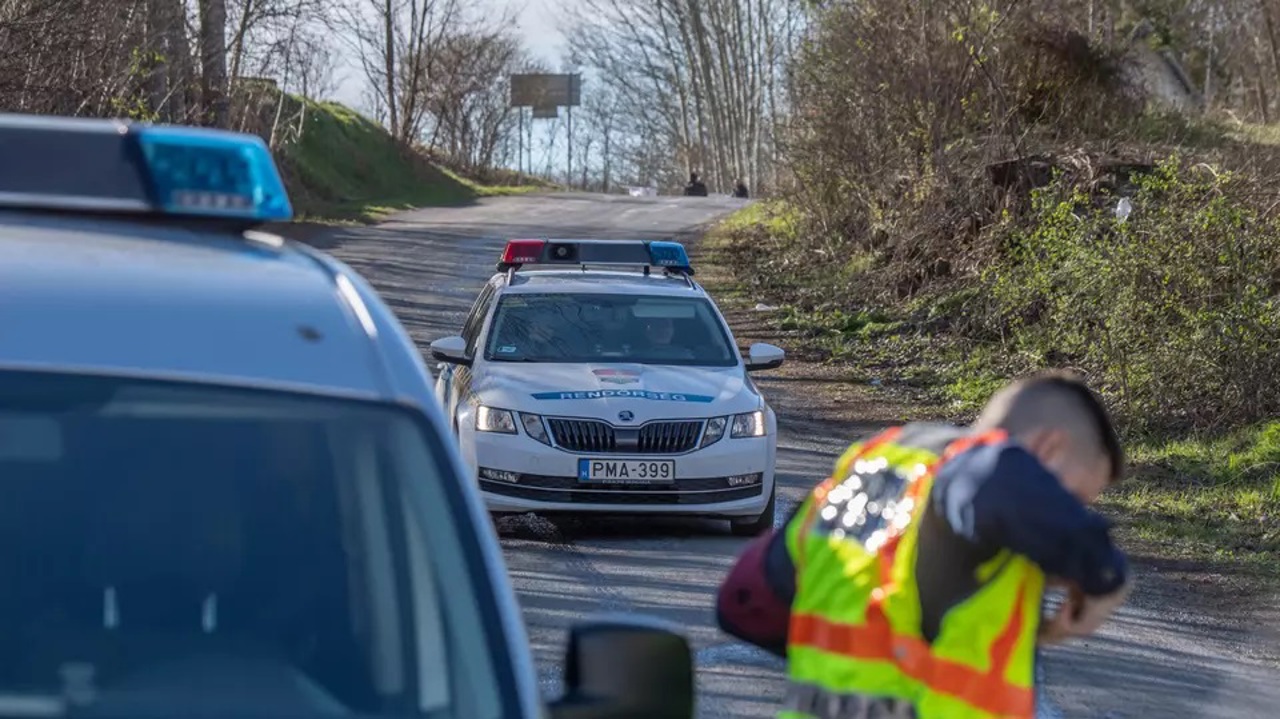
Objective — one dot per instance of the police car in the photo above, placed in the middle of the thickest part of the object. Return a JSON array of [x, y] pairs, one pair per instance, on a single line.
[[229, 490], [597, 376]]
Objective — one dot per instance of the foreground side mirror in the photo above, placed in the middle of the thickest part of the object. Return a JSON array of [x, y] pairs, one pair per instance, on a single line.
[[764, 356], [626, 668], [450, 349]]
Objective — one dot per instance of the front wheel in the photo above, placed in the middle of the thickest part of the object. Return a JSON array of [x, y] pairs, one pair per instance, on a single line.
[[755, 526]]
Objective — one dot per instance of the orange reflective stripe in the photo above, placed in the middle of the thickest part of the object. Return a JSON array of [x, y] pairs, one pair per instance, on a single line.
[[974, 440], [875, 641], [1002, 648]]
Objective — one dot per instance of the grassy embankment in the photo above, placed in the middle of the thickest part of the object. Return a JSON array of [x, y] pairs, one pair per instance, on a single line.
[[1203, 485], [344, 167]]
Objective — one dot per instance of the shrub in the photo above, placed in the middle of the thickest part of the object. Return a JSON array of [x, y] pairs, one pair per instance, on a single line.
[[1176, 310]]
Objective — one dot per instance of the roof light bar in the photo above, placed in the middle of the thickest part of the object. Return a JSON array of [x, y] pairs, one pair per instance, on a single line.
[[197, 171], [88, 165], [640, 253]]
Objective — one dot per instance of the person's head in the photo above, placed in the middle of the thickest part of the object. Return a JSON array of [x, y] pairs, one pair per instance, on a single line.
[[1065, 425], [693, 177], [659, 330]]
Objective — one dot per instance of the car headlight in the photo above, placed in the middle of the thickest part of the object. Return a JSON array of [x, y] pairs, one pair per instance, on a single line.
[[533, 427], [714, 431], [750, 424], [489, 419]]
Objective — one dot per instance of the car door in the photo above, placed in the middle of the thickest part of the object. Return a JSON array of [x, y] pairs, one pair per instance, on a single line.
[[455, 380]]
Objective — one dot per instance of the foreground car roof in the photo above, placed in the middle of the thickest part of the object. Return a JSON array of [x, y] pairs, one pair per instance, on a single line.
[[162, 300]]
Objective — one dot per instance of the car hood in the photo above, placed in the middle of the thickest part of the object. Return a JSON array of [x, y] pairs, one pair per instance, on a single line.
[[608, 390]]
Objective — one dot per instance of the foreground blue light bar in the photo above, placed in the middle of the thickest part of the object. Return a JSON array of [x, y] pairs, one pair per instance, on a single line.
[[84, 165], [212, 173], [669, 254]]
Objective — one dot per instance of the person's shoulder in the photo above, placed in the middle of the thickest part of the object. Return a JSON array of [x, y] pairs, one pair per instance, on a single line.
[[997, 461]]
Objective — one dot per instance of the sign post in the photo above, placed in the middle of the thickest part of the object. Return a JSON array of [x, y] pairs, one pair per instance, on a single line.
[[546, 94]]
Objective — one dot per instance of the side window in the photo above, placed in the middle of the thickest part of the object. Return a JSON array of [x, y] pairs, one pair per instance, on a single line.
[[471, 330], [472, 314]]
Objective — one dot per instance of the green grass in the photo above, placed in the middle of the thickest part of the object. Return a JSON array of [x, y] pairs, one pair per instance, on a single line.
[[1210, 497], [773, 217], [1258, 134], [344, 166]]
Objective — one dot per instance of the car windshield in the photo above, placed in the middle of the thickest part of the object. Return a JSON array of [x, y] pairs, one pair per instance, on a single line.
[[174, 550], [579, 327]]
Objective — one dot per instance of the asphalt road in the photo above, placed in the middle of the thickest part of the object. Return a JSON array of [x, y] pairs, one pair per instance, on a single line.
[[1166, 656]]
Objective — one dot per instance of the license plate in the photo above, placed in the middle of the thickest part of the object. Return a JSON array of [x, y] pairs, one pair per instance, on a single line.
[[626, 471]]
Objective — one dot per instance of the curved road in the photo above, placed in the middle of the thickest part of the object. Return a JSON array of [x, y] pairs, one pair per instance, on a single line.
[[1162, 658]]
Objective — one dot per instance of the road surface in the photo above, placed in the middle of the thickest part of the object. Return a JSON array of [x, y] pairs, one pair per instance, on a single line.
[[1162, 658]]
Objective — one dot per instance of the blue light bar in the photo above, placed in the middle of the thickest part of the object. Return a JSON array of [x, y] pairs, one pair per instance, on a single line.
[[197, 171], [669, 254], [113, 166]]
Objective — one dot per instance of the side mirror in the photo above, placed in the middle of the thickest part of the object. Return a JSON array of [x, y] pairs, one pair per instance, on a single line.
[[764, 356], [626, 668], [452, 350]]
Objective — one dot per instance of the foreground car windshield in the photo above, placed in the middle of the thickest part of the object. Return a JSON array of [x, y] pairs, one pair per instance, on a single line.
[[170, 549], [577, 327]]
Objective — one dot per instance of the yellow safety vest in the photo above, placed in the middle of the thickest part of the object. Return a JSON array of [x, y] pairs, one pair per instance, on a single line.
[[855, 645]]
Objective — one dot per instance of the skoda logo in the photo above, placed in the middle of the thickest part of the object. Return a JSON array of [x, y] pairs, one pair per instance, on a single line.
[[626, 415]]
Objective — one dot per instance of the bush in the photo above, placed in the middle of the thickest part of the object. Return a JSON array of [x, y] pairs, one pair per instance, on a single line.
[[1176, 310], [902, 107]]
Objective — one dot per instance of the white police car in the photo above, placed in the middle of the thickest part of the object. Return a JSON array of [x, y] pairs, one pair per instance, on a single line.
[[228, 489], [608, 381]]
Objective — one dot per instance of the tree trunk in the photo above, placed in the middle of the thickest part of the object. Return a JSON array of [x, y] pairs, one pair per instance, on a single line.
[[237, 43], [157, 56], [213, 61], [389, 61], [1269, 21], [181, 70]]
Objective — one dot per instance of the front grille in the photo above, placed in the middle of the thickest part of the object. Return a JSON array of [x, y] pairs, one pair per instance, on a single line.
[[670, 437], [587, 435], [581, 435], [569, 490]]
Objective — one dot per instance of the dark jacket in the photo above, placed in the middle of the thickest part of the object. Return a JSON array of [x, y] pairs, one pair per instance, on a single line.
[[695, 188]]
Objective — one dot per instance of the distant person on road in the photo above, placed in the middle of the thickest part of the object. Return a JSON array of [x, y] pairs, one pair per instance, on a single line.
[[740, 189], [696, 187], [910, 583]]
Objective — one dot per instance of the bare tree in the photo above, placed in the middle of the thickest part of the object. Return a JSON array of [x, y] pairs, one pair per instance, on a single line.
[[165, 60], [700, 76], [396, 42], [467, 95], [259, 27]]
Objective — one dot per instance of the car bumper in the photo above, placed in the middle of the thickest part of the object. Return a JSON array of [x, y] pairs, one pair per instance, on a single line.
[[518, 474]]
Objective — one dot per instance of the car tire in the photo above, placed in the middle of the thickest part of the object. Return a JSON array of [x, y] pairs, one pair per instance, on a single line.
[[756, 526]]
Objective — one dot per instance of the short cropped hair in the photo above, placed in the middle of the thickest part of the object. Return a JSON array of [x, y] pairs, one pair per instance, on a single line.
[[1059, 399]]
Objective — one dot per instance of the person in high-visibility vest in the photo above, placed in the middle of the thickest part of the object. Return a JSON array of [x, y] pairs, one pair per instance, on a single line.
[[910, 582]]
